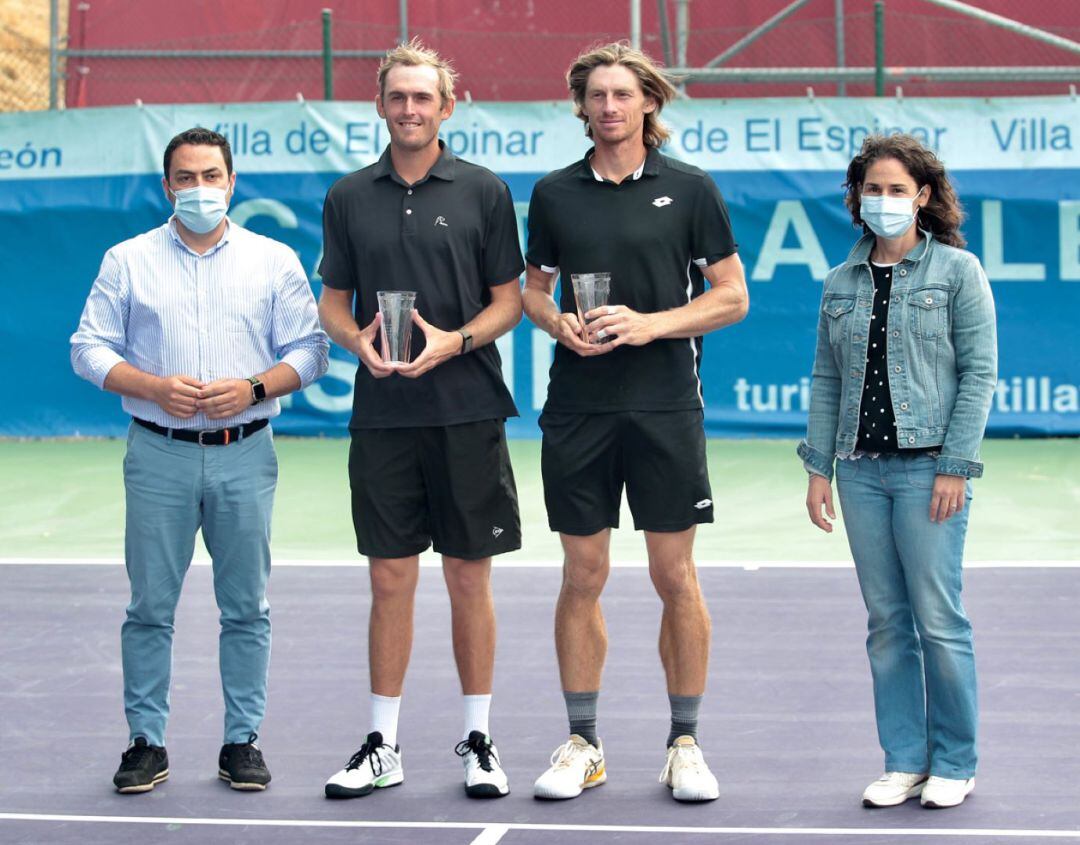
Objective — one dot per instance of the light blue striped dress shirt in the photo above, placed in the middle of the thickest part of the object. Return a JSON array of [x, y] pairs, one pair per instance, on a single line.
[[232, 312]]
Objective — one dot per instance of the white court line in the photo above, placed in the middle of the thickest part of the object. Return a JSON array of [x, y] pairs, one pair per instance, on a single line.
[[501, 828], [491, 835], [431, 561]]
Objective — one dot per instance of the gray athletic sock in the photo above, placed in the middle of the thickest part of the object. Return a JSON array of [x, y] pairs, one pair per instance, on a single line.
[[581, 710], [684, 713]]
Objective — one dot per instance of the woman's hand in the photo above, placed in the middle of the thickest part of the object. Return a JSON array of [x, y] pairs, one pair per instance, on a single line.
[[818, 493], [948, 497]]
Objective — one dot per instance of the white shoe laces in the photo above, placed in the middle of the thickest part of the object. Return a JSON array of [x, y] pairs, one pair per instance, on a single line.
[[685, 757], [907, 779], [567, 755]]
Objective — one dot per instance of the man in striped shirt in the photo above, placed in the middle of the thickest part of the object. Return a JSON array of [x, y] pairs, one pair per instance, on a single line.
[[200, 325]]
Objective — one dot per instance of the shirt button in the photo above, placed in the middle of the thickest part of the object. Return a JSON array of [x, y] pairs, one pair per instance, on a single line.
[[409, 192], [911, 440], [408, 211], [896, 334], [896, 299], [897, 369], [903, 406], [903, 272], [929, 300]]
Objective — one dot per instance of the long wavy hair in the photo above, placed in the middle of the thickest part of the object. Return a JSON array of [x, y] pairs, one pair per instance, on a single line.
[[654, 83], [942, 215]]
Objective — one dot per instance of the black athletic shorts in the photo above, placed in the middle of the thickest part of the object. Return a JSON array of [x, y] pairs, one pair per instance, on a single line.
[[659, 455], [451, 486]]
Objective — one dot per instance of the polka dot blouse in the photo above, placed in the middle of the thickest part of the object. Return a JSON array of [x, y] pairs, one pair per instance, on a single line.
[[877, 423]]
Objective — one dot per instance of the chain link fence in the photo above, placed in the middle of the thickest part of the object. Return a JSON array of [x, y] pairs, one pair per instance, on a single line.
[[24, 54], [914, 35], [24, 78], [520, 50]]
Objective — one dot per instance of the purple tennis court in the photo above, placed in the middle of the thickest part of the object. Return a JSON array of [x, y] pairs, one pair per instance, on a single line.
[[787, 724]]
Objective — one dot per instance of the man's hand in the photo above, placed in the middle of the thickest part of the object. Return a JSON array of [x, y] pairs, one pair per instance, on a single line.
[[438, 346], [225, 397], [628, 326], [948, 497], [365, 351], [178, 396], [818, 495], [568, 333]]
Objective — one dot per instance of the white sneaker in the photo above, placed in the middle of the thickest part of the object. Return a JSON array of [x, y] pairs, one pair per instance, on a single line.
[[575, 766], [484, 776], [374, 766], [687, 774], [946, 792], [893, 788]]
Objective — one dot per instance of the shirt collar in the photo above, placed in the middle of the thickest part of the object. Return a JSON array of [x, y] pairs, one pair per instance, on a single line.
[[170, 226], [649, 167], [860, 253], [443, 168]]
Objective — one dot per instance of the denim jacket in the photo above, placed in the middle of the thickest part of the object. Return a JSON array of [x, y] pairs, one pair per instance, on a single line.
[[942, 354]]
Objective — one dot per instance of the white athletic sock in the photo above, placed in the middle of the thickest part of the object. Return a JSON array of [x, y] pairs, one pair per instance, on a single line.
[[477, 708], [384, 717]]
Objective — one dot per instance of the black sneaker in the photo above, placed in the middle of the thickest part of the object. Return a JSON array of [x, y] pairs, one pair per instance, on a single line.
[[242, 765], [142, 767]]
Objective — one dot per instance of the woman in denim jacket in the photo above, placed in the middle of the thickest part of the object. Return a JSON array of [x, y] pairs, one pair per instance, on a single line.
[[904, 373]]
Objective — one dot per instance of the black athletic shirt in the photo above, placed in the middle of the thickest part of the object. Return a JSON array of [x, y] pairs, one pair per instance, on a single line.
[[450, 237], [653, 234]]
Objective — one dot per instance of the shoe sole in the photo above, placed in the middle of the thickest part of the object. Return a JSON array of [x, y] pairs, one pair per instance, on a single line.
[[913, 792], [486, 790], [694, 798], [240, 785], [589, 784], [933, 805], [144, 787], [336, 790]]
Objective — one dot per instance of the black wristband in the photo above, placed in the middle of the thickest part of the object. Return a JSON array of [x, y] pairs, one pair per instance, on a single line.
[[258, 390]]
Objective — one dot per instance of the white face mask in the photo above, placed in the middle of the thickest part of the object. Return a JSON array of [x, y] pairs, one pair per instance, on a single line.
[[201, 208], [888, 217]]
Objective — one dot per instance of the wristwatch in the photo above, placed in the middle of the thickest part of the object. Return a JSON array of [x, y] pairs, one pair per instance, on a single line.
[[466, 341], [258, 391]]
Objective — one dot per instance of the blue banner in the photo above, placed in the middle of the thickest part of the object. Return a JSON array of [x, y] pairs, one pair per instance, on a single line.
[[74, 183]]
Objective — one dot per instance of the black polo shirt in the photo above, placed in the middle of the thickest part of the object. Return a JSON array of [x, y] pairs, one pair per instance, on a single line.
[[450, 237], [653, 234]]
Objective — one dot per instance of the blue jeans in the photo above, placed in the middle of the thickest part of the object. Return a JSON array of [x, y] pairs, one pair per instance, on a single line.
[[173, 489], [919, 642]]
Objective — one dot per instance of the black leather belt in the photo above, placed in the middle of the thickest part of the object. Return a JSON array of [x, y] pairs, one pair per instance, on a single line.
[[209, 437]]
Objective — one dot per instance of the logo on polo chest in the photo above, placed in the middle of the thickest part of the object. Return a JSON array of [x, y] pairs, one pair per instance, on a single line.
[[441, 221], [660, 202]]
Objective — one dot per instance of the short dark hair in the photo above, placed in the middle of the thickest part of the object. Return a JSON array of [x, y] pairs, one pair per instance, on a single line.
[[200, 137]]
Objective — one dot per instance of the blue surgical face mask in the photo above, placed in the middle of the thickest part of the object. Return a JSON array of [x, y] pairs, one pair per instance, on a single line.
[[201, 208], [888, 217]]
